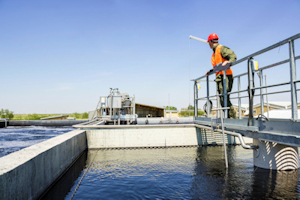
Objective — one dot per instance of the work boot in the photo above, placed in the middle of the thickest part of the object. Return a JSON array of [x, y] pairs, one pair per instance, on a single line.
[[232, 113]]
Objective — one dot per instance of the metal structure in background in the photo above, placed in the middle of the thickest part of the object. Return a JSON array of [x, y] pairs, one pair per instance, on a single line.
[[283, 131], [117, 107], [249, 59]]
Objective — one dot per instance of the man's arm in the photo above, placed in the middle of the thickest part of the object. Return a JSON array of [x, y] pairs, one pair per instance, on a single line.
[[228, 54]]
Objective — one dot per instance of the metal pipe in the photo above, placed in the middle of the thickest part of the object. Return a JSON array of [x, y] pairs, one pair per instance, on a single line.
[[225, 97], [283, 91], [221, 114], [245, 146], [260, 74], [195, 100], [239, 98], [268, 48], [274, 85], [278, 63], [293, 78], [263, 68], [218, 103], [267, 96], [250, 88], [198, 39], [204, 98], [207, 94]]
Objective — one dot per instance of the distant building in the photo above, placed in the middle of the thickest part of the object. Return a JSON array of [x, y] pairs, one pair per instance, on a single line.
[[257, 110], [171, 113], [143, 110], [244, 110], [280, 114]]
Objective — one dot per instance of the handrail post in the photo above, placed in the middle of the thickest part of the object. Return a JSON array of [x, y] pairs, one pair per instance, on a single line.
[[195, 100], [261, 93], [294, 106], [225, 94], [250, 89], [207, 93], [239, 97]]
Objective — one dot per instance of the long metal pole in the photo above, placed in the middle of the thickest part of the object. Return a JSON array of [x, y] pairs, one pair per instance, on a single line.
[[267, 95], [207, 100], [239, 97], [225, 94], [250, 85], [261, 93], [225, 150], [198, 39], [293, 78], [218, 102], [195, 100]]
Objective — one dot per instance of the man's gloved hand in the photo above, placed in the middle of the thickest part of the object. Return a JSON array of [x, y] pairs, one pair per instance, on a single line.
[[209, 71]]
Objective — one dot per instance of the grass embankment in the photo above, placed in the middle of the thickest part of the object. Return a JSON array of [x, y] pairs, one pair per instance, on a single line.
[[35, 116]]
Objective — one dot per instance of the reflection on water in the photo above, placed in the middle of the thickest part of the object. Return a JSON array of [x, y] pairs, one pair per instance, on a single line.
[[180, 173]]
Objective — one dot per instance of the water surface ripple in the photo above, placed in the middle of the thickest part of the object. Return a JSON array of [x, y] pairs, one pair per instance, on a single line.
[[15, 138], [180, 173]]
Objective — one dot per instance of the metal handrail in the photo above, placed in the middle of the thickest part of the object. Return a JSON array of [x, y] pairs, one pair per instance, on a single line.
[[292, 81]]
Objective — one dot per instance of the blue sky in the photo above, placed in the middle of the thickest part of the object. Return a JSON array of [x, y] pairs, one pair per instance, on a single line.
[[61, 56]]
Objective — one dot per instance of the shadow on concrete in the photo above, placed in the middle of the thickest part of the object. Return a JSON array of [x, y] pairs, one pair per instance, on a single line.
[[63, 186], [272, 184]]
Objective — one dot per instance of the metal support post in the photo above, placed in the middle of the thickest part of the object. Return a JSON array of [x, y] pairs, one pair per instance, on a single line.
[[225, 93], [207, 99], [293, 78], [261, 93], [218, 102], [195, 100], [250, 88], [239, 98], [267, 96], [219, 109]]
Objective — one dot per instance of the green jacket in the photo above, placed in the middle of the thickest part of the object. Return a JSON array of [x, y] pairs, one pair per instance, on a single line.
[[226, 53]]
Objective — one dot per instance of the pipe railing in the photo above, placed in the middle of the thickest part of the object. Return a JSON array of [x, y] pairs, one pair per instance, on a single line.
[[293, 81]]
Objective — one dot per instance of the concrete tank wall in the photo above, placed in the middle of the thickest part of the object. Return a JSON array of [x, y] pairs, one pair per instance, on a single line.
[[155, 136], [27, 173]]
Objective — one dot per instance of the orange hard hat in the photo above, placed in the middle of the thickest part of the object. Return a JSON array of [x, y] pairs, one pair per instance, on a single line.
[[213, 36]]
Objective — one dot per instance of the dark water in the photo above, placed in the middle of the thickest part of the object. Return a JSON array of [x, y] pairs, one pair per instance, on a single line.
[[173, 173], [15, 138]]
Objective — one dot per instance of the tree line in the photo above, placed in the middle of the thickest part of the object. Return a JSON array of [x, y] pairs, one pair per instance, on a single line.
[[5, 113]]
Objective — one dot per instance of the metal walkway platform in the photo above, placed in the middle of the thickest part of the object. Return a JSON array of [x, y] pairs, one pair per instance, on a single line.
[[282, 131]]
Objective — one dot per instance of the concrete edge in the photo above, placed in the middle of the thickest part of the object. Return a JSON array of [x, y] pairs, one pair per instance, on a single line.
[[133, 126], [27, 173]]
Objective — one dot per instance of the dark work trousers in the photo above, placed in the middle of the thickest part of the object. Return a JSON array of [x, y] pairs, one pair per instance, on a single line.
[[229, 83]]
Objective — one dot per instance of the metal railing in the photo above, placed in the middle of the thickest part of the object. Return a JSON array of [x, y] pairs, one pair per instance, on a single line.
[[251, 88]]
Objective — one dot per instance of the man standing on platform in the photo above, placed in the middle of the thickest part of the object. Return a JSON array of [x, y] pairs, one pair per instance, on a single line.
[[224, 55]]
